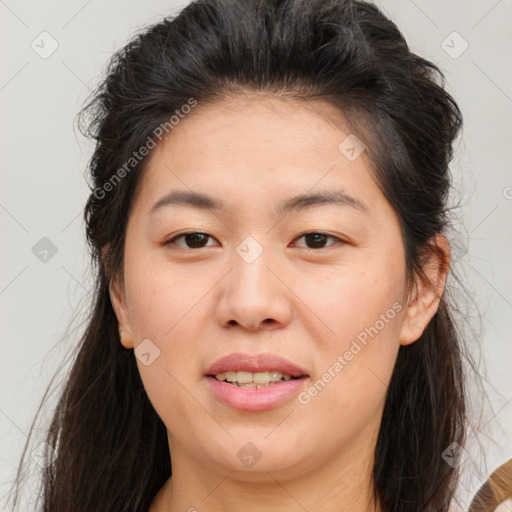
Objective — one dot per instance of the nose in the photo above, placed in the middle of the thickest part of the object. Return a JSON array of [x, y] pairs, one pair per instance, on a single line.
[[254, 295]]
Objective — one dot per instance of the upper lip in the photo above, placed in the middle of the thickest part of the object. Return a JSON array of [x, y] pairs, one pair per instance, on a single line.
[[255, 363]]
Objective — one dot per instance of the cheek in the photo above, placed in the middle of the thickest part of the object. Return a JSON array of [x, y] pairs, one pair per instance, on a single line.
[[354, 365], [356, 355], [352, 301], [162, 297], [163, 309], [176, 401], [165, 314]]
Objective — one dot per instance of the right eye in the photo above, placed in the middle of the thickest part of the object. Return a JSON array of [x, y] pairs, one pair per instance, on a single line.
[[194, 240]]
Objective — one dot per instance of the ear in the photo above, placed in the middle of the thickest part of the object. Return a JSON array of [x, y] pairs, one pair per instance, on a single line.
[[118, 301], [426, 295]]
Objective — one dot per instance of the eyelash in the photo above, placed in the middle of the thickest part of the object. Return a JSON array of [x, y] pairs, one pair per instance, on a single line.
[[171, 241]]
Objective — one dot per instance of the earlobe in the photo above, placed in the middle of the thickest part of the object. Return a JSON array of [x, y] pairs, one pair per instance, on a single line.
[[428, 291]]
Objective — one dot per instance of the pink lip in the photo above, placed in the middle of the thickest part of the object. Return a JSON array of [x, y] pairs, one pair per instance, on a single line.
[[253, 399], [254, 363]]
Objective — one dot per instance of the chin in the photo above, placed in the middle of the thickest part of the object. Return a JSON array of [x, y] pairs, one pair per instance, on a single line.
[[252, 455]]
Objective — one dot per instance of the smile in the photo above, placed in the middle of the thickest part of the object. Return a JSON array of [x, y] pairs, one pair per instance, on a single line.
[[254, 380]]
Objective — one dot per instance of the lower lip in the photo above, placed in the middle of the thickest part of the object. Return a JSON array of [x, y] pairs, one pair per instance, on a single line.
[[255, 399]]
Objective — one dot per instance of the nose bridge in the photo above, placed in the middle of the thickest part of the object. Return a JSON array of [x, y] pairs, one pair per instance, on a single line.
[[253, 293], [252, 259]]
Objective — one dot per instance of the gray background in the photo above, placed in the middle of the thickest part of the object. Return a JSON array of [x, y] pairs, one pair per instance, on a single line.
[[43, 192]]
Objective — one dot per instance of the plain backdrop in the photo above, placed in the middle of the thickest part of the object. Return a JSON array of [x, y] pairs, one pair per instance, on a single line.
[[53, 53]]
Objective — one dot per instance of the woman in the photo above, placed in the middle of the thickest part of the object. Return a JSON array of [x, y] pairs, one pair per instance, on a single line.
[[268, 218]]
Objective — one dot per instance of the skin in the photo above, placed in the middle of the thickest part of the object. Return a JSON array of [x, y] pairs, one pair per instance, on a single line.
[[299, 300]]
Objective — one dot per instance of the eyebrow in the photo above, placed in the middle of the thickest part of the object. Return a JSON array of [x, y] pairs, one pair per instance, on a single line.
[[292, 204]]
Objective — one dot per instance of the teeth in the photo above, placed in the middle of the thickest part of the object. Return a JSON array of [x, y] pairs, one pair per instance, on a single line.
[[242, 377], [251, 380]]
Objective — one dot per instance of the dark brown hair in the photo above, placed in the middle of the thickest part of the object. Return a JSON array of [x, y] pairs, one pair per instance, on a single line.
[[112, 448]]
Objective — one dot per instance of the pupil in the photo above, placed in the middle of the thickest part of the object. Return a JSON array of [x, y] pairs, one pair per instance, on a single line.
[[196, 238], [316, 239]]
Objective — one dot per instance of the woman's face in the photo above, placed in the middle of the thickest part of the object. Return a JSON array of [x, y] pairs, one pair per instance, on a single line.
[[258, 281]]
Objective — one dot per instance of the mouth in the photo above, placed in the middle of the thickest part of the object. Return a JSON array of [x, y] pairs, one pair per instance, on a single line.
[[258, 369], [258, 380], [255, 382]]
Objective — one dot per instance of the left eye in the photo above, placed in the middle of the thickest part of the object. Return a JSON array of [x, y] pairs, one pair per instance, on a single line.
[[196, 240], [317, 239]]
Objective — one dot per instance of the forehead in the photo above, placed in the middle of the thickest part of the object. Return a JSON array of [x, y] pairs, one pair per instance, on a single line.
[[254, 145]]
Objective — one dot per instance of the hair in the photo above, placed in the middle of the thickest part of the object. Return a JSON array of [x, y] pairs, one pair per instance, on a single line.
[[112, 447]]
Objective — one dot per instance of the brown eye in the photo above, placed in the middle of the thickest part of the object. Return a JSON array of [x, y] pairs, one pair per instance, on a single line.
[[317, 239], [195, 240], [198, 240]]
